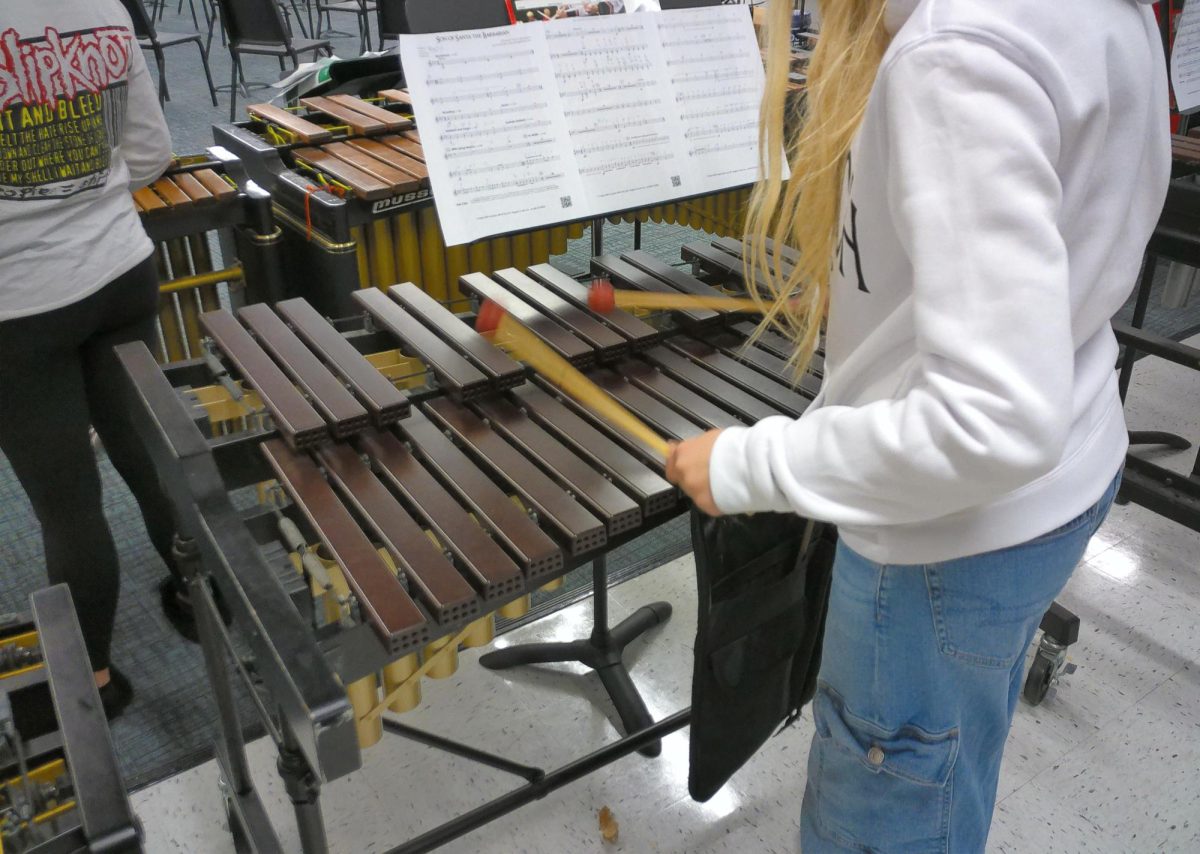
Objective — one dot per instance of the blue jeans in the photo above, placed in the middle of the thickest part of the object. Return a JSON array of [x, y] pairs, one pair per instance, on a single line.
[[921, 671]]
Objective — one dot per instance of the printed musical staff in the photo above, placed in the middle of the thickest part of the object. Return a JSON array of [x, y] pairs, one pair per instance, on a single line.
[[581, 117]]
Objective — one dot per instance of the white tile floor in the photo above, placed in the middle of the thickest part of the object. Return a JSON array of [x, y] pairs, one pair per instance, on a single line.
[[1109, 763]]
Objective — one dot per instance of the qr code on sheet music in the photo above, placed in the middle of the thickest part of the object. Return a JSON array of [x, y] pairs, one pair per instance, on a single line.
[[565, 201], [675, 182]]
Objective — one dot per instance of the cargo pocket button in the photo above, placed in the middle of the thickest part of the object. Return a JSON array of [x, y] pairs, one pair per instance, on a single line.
[[875, 755]]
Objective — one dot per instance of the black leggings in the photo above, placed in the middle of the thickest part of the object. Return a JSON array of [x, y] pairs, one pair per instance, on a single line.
[[58, 375]]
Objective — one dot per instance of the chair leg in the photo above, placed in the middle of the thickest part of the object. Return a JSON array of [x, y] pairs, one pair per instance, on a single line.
[[161, 62], [233, 84], [299, 19], [282, 67], [212, 88], [192, 6]]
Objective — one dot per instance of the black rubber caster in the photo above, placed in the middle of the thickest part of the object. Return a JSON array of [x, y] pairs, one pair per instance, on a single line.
[[1040, 678]]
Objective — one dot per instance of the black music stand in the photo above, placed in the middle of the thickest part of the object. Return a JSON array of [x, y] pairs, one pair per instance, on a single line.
[[603, 652]]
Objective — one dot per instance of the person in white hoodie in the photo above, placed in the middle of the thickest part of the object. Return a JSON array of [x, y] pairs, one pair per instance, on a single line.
[[80, 126], [973, 188]]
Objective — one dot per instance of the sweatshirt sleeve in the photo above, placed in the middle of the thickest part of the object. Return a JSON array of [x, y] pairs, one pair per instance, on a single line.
[[971, 141], [145, 140]]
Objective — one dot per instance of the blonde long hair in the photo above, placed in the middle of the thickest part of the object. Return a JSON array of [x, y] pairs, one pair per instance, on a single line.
[[804, 212]]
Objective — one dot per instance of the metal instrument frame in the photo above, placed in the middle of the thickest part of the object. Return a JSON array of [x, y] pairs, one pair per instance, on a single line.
[[107, 824], [298, 679]]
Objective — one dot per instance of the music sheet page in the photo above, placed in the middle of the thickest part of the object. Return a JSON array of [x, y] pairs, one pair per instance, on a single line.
[[540, 124], [624, 130], [1185, 60], [495, 138], [717, 78]]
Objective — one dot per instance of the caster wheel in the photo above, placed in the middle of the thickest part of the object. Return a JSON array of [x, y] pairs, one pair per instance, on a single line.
[[1037, 683]]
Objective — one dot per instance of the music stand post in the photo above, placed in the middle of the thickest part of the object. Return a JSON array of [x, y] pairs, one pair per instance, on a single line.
[[603, 651]]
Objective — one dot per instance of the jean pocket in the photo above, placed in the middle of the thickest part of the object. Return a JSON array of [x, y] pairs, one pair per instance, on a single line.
[[986, 607], [877, 789]]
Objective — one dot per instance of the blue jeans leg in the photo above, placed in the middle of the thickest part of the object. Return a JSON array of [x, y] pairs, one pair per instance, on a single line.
[[920, 676]]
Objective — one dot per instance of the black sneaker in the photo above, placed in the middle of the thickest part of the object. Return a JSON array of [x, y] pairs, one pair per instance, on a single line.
[[177, 606], [115, 695]]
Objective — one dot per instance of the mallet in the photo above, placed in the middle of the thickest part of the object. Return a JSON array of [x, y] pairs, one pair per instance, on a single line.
[[603, 298], [526, 346]]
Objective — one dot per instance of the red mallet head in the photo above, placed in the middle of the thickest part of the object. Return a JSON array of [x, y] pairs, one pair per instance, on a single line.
[[489, 317], [601, 296]]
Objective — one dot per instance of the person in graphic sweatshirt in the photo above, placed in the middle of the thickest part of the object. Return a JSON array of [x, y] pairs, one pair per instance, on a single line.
[[80, 127], [973, 187]]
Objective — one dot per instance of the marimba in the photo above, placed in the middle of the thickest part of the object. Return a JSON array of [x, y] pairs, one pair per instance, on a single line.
[[205, 210], [350, 188], [421, 479]]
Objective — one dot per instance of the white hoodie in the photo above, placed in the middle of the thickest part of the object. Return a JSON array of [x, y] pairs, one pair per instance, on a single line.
[[1010, 168]]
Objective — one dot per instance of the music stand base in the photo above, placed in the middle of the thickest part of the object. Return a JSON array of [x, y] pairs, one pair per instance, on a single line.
[[603, 652], [1158, 437]]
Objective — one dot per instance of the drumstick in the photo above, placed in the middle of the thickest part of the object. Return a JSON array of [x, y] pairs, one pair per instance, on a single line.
[[603, 298], [533, 351]]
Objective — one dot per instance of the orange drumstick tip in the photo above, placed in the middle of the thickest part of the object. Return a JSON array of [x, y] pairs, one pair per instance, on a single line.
[[489, 317], [602, 298]]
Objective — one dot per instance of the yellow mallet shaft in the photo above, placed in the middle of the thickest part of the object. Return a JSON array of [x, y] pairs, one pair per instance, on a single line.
[[558, 371]]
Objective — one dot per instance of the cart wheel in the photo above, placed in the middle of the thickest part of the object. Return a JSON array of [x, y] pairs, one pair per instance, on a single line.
[[1037, 683]]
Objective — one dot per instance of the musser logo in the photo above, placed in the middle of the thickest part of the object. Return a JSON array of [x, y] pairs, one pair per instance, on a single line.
[[400, 201]]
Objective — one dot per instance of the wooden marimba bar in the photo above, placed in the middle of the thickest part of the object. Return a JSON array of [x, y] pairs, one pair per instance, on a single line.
[[432, 479], [204, 209]]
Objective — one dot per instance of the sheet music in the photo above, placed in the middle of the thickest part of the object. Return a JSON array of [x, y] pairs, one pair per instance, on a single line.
[[717, 76], [623, 132], [577, 118], [497, 151], [1185, 60]]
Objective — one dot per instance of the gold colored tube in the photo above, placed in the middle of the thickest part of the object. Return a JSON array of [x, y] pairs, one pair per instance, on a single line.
[[516, 608], [458, 263], [447, 664], [168, 321], [408, 247], [501, 252], [521, 250], [362, 254], [576, 229], [433, 262], [540, 246], [481, 632], [394, 675], [558, 239], [480, 256], [202, 263], [383, 268], [200, 280], [364, 694]]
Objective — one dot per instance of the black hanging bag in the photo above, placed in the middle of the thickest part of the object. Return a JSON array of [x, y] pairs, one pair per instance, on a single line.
[[763, 583]]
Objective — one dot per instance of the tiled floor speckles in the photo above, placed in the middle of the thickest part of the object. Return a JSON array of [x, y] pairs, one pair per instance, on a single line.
[[1107, 764]]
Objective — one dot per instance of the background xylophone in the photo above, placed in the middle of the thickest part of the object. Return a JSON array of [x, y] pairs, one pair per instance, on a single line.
[[350, 188], [211, 225], [403, 507]]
